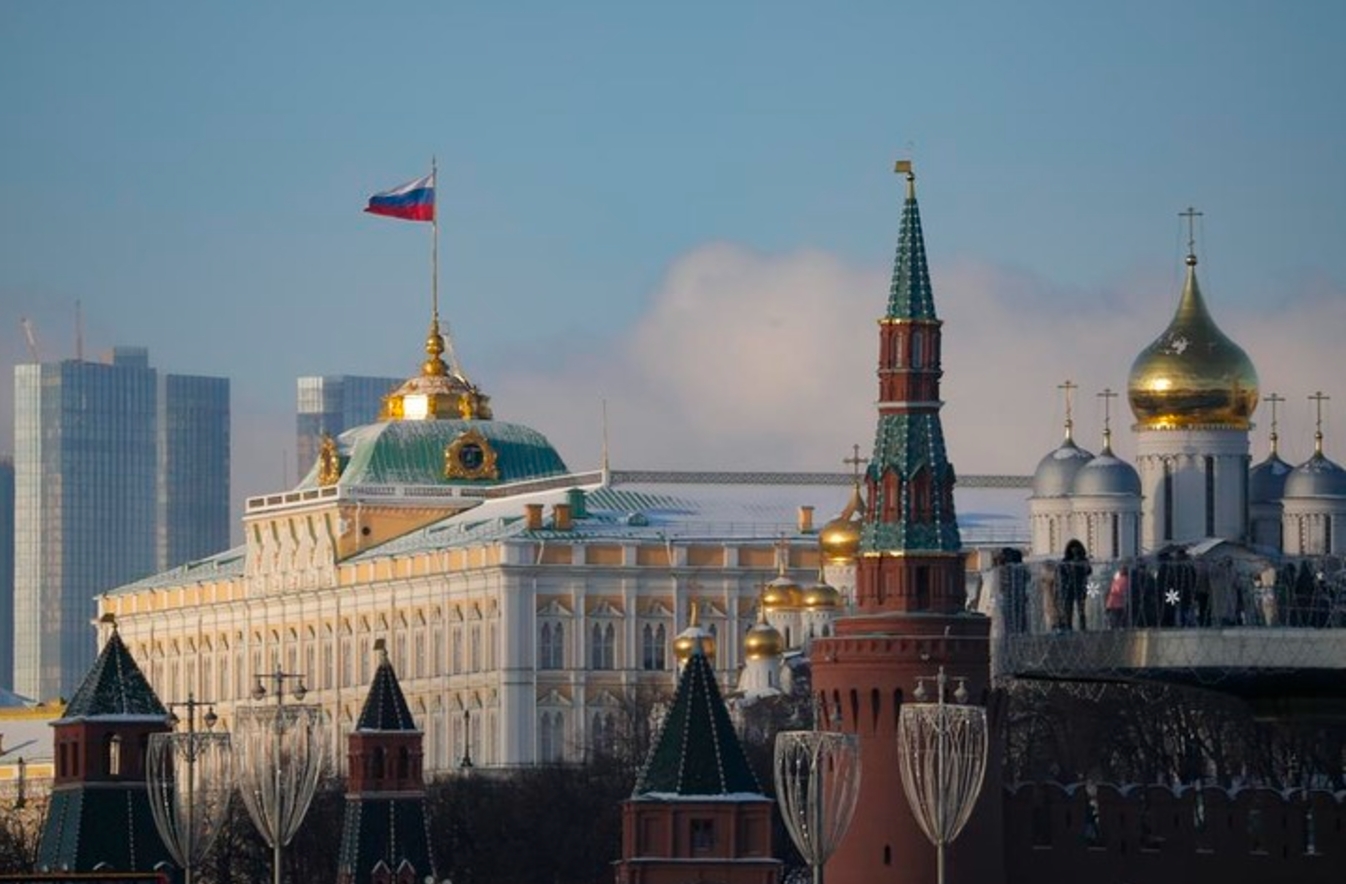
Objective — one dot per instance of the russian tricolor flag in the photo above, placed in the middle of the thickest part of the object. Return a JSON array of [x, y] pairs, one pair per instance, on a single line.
[[413, 201]]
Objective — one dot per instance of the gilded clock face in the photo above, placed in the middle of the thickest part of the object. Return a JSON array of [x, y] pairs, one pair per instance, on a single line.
[[471, 456]]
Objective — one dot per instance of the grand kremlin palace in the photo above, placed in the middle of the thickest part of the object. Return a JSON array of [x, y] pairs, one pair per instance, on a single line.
[[524, 604]]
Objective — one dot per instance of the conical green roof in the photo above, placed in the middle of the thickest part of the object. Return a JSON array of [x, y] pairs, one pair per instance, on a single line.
[[385, 706], [115, 686], [697, 752], [910, 296]]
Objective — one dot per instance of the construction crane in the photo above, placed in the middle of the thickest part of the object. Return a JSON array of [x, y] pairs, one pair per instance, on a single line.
[[32, 339]]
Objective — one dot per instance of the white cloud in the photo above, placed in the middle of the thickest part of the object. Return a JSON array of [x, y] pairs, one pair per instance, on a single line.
[[751, 361]]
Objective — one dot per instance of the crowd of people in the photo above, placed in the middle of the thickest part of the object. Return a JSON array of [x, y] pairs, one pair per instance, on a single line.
[[1169, 589]]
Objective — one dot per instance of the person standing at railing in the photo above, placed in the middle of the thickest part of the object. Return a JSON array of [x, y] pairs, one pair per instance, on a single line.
[[1119, 590], [1072, 583], [1047, 595], [1012, 580]]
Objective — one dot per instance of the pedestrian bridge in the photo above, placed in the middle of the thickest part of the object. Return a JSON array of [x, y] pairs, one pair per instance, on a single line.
[[1275, 637]]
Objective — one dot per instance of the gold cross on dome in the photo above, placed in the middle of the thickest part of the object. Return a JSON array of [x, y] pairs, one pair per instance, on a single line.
[[855, 461], [1069, 387], [1107, 396], [1275, 399], [1191, 215], [1318, 399]]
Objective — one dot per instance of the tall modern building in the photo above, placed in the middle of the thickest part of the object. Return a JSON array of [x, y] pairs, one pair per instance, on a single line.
[[6, 572], [331, 404], [118, 472]]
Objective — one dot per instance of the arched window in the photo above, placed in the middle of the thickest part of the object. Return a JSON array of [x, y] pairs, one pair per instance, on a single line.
[[113, 760], [601, 653], [549, 646], [653, 647]]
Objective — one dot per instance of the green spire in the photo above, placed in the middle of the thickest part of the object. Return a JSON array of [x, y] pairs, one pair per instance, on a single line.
[[697, 751], [910, 296]]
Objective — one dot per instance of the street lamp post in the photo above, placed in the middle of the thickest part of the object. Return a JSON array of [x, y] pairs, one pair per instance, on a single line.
[[190, 778], [279, 754], [817, 777], [943, 749], [466, 762]]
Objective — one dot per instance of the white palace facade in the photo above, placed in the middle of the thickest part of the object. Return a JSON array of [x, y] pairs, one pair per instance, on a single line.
[[525, 606]]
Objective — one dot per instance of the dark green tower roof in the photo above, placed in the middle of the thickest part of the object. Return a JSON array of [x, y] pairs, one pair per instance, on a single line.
[[385, 707], [697, 752], [910, 296], [115, 686]]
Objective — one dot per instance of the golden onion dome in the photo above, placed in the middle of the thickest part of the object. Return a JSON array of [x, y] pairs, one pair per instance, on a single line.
[[822, 595], [839, 539], [686, 642], [763, 641], [781, 593], [1192, 375]]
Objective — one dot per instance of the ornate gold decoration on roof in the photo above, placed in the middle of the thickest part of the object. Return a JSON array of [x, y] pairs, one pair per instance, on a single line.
[[763, 641], [329, 462], [437, 393], [1193, 375], [470, 456]]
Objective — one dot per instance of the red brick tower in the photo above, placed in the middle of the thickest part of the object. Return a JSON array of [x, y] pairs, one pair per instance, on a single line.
[[698, 812], [385, 837], [99, 817], [909, 617]]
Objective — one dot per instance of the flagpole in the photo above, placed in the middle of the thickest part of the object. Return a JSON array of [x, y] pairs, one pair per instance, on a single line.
[[434, 242], [434, 269]]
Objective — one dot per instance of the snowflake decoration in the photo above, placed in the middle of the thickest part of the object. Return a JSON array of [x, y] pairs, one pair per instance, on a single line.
[[1171, 597], [1092, 589], [1179, 344]]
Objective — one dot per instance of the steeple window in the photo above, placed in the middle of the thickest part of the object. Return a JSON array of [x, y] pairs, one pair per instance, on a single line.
[[917, 349]]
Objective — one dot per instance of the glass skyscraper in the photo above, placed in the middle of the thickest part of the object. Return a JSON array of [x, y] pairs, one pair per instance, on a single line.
[[333, 403], [6, 573], [118, 472]]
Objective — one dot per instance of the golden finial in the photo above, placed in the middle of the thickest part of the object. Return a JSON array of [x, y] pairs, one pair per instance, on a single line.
[[434, 366], [1318, 399], [1275, 399], [1069, 388], [1191, 215], [903, 167]]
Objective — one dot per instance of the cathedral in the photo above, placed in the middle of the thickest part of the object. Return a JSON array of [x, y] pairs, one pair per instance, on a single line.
[[1193, 392]]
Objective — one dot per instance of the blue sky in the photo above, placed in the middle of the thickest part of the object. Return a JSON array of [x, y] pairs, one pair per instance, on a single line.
[[195, 177]]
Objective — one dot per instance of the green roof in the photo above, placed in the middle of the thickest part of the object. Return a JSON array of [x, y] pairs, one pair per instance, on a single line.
[[114, 686], [697, 752], [910, 296], [412, 453]]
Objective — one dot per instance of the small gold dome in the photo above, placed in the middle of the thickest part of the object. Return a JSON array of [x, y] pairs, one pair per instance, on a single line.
[[686, 641], [839, 539], [822, 595], [781, 593], [1192, 375], [762, 642]]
